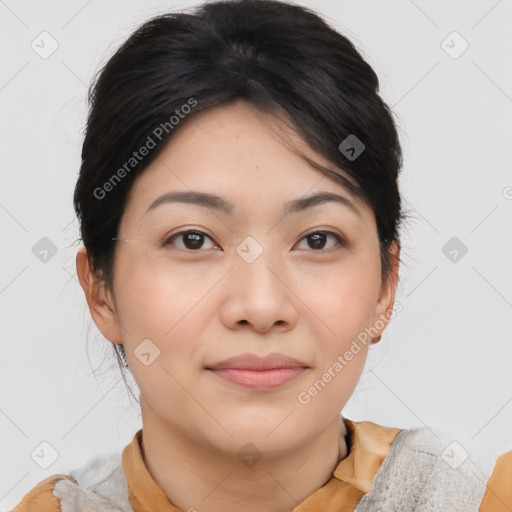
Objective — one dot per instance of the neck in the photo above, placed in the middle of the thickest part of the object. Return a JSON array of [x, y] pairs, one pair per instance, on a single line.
[[197, 478]]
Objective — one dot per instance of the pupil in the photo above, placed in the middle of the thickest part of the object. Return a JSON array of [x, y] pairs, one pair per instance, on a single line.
[[193, 238], [316, 237]]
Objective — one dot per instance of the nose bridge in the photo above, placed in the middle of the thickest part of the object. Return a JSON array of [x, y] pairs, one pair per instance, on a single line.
[[257, 263]]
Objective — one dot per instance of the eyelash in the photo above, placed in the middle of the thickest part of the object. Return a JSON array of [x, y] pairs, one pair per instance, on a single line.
[[340, 241]]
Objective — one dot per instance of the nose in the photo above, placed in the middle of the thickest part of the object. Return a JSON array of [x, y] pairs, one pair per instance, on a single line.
[[259, 297]]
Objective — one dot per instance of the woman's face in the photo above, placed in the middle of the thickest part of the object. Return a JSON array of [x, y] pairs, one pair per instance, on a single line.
[[248, 281]]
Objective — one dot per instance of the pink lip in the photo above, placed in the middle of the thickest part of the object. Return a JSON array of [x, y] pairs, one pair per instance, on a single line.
[[251, 371], [259, 379]]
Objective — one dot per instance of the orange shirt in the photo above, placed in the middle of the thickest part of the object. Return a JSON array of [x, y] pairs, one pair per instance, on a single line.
[[498, 496], [369, 444], [352, 478]]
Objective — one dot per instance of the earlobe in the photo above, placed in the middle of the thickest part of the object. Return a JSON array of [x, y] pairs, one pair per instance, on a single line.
[[99, 301]]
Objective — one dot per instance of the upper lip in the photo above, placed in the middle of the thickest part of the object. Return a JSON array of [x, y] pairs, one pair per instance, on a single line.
[[255, 362]]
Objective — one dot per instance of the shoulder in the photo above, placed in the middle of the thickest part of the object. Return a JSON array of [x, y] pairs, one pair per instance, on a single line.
[[41, 498], [498, 495], [99, 484], [427, 469]]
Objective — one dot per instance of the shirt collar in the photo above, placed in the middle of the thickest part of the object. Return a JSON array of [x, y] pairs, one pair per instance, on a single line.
[[367, 444]]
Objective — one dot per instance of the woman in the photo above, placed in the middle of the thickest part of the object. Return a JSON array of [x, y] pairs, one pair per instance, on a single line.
[[240, 212]]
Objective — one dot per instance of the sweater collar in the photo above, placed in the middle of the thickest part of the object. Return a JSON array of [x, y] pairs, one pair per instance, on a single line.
[[367, 443]]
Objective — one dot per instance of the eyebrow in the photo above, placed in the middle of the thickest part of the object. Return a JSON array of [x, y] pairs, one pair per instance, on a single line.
[[215, 202]]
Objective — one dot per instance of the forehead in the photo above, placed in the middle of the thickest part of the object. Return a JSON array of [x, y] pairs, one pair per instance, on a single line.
[[239, 153]]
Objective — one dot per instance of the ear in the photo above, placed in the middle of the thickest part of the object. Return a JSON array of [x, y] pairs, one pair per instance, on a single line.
[[384, 306], [100, 302]]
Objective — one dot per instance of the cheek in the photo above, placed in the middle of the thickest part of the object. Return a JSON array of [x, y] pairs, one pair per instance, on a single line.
[[155, 297], [334, 381], [166, 311], [343, 297]]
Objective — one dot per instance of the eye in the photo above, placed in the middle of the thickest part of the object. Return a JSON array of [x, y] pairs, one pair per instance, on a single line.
[[194, 240], [191, 239], [317, 239]]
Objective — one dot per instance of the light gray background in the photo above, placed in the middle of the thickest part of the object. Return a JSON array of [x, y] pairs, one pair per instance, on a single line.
[[444, 361]]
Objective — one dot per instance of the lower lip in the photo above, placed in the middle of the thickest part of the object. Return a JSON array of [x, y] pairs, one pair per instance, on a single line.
[[259, 379]]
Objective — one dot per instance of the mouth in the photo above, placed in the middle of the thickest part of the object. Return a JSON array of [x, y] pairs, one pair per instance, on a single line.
[[253, 372], [259, 379]]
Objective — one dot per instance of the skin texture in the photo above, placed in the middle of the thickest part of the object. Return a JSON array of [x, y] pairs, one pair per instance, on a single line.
[[203, 304]]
